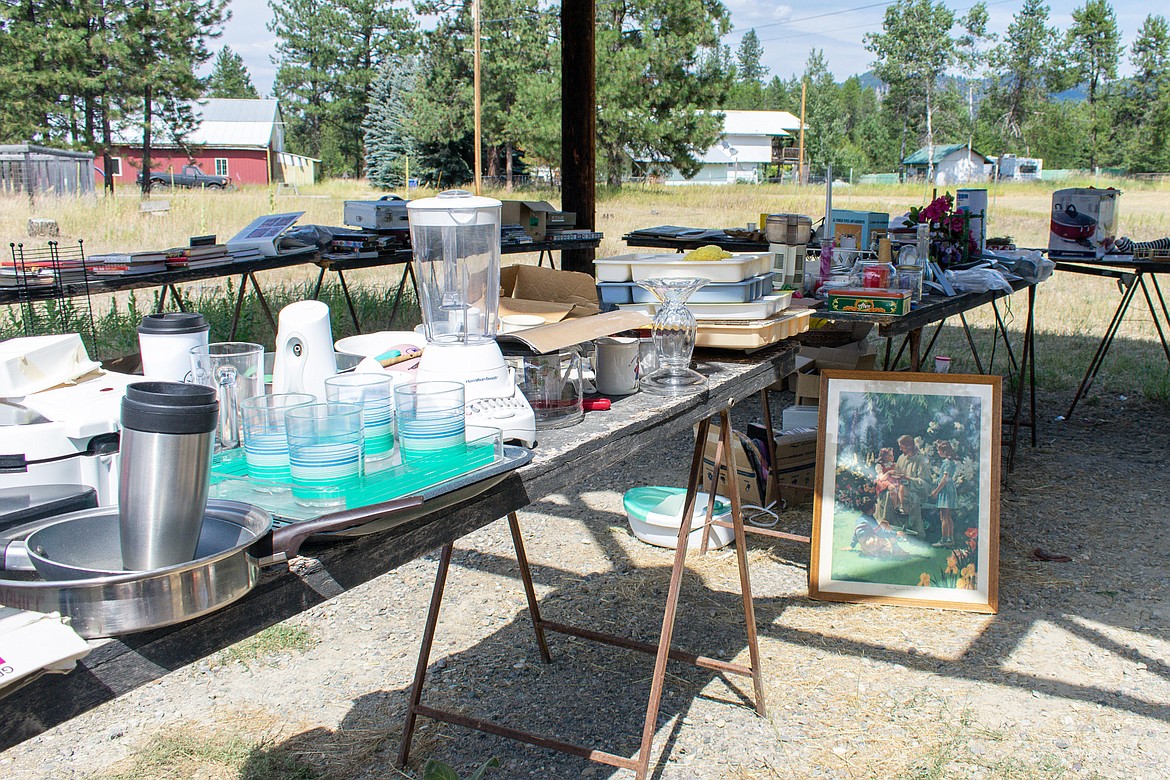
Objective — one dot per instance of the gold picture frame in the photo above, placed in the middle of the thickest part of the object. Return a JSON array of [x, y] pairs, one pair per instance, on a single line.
[[921, 527]]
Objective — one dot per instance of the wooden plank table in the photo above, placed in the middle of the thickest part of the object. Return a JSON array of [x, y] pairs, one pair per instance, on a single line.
[[636, 423]]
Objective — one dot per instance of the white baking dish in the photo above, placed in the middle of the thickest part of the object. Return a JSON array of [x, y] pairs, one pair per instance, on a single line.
[[733, 269], [617, 268]]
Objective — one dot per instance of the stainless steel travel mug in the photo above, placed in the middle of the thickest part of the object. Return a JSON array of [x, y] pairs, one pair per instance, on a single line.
[[168, 432]]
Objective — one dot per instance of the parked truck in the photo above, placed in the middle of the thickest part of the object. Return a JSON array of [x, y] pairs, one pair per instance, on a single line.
[[189, 177]]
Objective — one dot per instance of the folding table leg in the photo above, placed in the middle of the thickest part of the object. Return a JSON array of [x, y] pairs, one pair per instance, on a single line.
[[668, 619], [1103, 347], [529, 590], [680, 554], [1154, 314], [745, 584], [239, 306], [424, 654]]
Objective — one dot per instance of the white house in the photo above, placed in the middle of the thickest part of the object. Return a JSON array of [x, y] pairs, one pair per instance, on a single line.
[[952, 164], [746, 146], [1020, 168]]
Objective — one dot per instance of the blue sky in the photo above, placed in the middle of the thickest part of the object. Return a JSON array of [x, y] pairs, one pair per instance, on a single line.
[[787, 30]]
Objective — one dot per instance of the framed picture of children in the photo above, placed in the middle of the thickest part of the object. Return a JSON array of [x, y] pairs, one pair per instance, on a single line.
[[906, 508]]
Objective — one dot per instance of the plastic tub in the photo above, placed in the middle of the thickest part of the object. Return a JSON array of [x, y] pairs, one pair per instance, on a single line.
[[752, 335], [617, 268], [733, 269], [655, 514], [759, 309]]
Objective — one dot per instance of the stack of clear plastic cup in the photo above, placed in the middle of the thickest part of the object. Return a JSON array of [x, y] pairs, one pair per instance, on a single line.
[[375, 394]]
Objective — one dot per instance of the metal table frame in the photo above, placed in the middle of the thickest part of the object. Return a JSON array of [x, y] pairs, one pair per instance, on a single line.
[[1131, 275]]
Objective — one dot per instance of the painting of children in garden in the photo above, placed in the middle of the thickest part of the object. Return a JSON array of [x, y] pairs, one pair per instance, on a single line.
[[907, 490]]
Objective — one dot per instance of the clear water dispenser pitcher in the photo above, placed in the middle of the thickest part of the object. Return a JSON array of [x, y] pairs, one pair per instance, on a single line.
[[455, 238]]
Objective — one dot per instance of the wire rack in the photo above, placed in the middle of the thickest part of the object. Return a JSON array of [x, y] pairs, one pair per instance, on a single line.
[[52, 290]]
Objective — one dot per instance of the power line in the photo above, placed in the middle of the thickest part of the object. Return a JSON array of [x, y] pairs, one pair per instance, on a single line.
[[867, 24]]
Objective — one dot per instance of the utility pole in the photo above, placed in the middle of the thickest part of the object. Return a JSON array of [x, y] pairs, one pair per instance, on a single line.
[[800, 169], [478, 146]]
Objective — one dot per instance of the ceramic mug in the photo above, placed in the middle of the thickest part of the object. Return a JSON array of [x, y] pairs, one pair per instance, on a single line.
[[617, 365]]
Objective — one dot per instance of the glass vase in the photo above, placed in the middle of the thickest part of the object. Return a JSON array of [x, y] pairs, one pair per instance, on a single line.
[[673, 329]]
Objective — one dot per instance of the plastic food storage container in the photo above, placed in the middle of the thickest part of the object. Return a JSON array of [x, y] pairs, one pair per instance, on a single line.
[[617, 268], [752, 335], [759, 309], [733, 269]]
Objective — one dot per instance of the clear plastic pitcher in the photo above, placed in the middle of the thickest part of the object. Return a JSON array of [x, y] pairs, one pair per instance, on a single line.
[[455, 238]]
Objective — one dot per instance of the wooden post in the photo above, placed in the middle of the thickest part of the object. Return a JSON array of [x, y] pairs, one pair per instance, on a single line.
[[478, 141], [578, 124], [800, 169]]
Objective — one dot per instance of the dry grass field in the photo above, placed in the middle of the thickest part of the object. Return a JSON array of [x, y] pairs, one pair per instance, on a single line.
[[1072, 310]]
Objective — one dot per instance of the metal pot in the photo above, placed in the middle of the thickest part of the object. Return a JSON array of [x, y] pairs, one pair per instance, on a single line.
[[1071, 225], [102, 600]]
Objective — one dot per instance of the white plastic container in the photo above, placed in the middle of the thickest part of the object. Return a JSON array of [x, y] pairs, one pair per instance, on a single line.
[[759, 309], [617, 268], [655, 514], [754, 334], [733, 269], [33, 363]]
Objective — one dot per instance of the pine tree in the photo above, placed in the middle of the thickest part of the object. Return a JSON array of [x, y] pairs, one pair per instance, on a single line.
[[655, 87], [1150, 55], [389, 137], [165, 43], [913, 51], [327, 59], [229, 77], [749, 56], [1094, 44], [1025, 67]]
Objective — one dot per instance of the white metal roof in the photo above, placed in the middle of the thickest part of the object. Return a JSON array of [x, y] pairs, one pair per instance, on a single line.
[[778, 123], [224, 122]]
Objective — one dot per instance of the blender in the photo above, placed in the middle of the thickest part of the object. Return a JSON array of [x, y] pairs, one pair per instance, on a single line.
[[455, 238]]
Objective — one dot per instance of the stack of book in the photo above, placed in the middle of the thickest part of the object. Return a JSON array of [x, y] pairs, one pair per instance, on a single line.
[[190, 258], [25, 275], [126, 263]]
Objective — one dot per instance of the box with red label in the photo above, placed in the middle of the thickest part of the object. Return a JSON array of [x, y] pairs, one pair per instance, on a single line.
[[1083, 223]]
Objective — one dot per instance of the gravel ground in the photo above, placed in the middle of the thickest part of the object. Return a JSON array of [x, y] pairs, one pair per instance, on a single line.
[[1071, 678]]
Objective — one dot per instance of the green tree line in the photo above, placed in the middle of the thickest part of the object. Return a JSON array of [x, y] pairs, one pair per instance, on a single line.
[[370, 90]]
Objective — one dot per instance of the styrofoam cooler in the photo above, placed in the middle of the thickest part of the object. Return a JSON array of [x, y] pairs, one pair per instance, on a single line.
[[789, 263]]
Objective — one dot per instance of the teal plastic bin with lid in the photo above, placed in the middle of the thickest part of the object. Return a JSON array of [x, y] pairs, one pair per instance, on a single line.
[[655, 514]]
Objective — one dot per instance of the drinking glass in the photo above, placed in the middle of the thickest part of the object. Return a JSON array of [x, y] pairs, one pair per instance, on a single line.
[[266, 434], [431, 420], [325, 451], [236, 370], [375, 394]]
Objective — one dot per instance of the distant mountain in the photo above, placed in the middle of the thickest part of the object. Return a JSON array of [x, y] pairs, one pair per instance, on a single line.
[[1078, 93]]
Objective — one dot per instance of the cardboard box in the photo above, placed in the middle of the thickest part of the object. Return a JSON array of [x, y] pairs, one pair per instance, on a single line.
[[749, 468], [554, 295], [795, 486], [865, 300], [1083, 223], [808, 385], [859, 229], [537, 217], [857, 356], [796, 448]]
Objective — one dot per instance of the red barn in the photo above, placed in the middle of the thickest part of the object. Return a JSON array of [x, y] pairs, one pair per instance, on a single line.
[[240, 139]]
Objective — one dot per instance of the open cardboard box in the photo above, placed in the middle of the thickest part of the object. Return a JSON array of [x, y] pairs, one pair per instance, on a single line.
[[858, 356], [567, 300]]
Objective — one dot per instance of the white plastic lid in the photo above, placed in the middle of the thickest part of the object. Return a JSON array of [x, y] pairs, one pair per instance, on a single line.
[[454, 207]]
